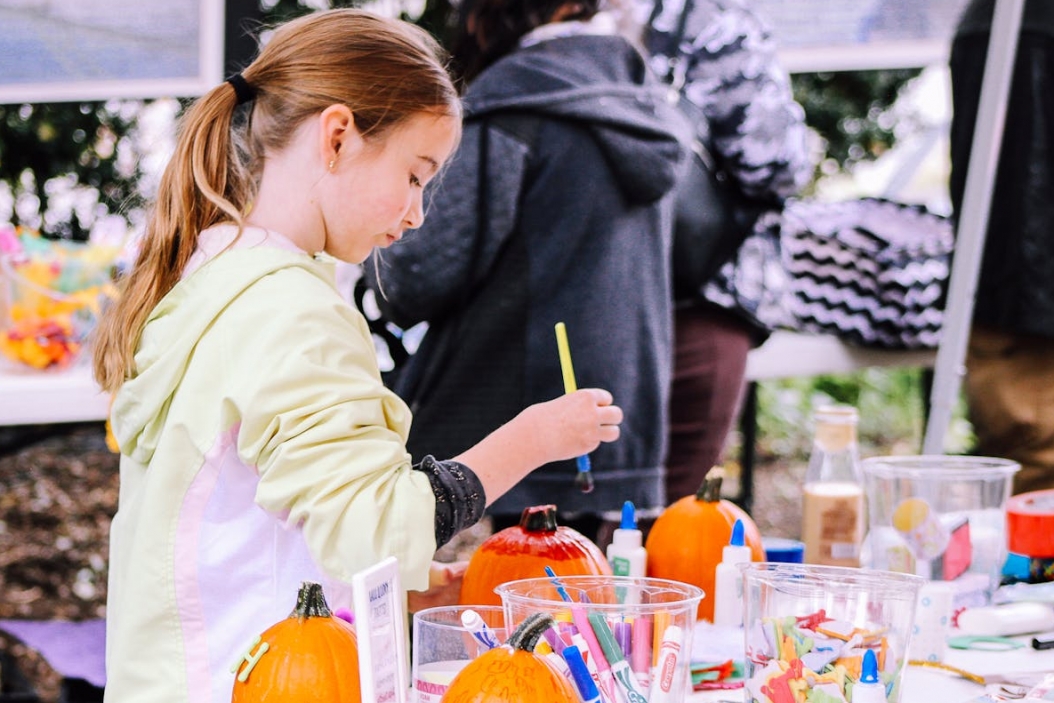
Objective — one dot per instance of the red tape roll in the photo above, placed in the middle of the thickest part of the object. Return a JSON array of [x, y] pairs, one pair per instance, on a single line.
[[1030, 523]]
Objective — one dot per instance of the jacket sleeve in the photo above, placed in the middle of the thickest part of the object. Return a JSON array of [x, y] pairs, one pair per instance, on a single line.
[[734, 76], [327, 438], [432, 270]]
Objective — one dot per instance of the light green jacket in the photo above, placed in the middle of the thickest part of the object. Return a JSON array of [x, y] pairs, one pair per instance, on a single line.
[[259, 449]]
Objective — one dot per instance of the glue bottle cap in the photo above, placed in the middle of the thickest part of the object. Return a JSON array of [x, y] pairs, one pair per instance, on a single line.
[[629, 516], [869, 668], [737, 535]]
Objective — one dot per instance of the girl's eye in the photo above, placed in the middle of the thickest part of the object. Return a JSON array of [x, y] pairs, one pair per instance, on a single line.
[[414, 180]]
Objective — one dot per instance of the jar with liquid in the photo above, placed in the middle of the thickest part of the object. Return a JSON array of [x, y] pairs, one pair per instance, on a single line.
[[833, 494]]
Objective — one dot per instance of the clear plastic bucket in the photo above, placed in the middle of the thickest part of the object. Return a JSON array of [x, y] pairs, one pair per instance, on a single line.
[[808, 627], [940, 517], [651, 619]]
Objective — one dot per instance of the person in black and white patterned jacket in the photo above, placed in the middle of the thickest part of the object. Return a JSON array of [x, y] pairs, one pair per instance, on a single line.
[[727, 65]]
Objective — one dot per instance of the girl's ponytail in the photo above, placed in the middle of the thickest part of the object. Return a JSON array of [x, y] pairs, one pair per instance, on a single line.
[[203, 184], [385, 71]]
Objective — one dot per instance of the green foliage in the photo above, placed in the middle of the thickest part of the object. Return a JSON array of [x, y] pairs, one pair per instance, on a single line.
[[80, 143], [890, 403], [849, 111]]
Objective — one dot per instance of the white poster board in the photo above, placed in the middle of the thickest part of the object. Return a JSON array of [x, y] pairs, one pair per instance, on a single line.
[[848, 35], [67, 50]]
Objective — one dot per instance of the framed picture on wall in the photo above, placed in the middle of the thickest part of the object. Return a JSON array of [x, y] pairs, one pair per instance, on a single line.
[[70, 50]]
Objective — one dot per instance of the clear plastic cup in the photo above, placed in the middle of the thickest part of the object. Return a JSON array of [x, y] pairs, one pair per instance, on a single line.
[[443, 646], [940, 517], [651, 620], [808, 627]]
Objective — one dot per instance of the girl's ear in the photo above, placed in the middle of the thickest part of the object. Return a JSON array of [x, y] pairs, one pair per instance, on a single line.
[[338, 136]]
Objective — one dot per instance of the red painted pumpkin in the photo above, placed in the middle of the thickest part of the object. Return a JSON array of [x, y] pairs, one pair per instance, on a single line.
[[687, 541], [513, 673], [523, 551], [310, 656]]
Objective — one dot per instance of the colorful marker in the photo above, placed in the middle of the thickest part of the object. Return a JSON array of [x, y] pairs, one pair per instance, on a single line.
[[615, 658], [664, 678], [596, 654], [640, 652], [480, 632], [587, 689]]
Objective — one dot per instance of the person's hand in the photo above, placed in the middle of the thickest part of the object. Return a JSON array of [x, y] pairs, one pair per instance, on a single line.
[[562, 428], [444, 586], [575, 424]]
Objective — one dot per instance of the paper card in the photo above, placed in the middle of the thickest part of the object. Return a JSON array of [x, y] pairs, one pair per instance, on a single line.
[[380, 623]]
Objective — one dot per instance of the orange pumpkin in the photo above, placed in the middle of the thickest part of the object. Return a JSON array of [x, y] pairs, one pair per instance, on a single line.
[[513, 673], [524, 550], [309, 656], [687, 541]]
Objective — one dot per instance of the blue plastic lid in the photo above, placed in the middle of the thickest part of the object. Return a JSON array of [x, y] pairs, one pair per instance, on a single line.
[[737, 535], [788, 551], [629, 516], [1016, 566], [869, 669]]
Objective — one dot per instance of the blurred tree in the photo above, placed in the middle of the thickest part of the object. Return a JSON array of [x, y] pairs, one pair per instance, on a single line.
[[76, 144], [847, 108]]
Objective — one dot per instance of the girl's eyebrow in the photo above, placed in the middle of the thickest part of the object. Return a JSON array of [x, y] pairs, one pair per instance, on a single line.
[[433, 165]]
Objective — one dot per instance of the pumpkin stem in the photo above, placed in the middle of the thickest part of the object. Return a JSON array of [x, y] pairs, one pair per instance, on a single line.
[[539, 518], [710, 490], [526, 636], [310, 602]]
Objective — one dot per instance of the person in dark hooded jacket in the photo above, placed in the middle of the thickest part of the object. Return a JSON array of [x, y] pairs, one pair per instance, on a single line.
[[557, 207]]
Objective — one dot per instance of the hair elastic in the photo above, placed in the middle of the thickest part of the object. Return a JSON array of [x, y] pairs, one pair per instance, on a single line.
[[242, 90]]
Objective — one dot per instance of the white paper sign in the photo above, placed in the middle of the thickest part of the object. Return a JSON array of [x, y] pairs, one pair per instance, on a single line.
[[380, 623]]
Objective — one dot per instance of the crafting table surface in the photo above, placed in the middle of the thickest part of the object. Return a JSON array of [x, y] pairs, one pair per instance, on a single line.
[[923, 685], [29, 397]]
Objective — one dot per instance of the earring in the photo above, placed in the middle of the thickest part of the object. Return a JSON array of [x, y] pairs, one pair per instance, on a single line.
[[332, 164]]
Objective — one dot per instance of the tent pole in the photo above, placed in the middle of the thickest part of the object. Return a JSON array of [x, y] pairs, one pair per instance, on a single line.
[[973, 220]]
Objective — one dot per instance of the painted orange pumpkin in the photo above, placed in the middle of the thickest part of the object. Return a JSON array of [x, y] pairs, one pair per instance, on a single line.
[[309, 656], [524, 550], [513, 673], [687, 541]]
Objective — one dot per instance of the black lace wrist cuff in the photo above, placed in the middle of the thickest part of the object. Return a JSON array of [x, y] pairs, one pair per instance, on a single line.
[[460, 498]]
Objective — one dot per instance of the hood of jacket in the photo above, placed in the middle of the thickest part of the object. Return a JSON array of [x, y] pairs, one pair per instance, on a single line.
[[173, 331], [601, 82]]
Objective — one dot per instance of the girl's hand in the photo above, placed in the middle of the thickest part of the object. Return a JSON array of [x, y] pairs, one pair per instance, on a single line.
[[573, 424], [562, 428]]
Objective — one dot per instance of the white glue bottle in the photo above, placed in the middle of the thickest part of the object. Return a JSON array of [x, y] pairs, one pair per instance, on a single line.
[[626, 553], [728, 580], [869, 689]]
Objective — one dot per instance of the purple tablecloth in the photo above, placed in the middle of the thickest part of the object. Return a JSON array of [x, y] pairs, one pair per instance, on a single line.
[[76, 650]]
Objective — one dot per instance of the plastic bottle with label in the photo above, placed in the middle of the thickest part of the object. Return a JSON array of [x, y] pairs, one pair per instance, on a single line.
[[833, 494], [728, 580], [626, 554]]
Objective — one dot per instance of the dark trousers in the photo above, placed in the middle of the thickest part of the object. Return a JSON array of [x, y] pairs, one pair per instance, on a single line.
[[710, 362]]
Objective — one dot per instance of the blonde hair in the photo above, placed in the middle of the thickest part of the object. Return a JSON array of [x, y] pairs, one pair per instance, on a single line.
[[384, 70]]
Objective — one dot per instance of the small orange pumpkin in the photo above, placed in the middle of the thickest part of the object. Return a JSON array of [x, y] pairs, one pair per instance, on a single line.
[[687, 541], [523, 551], [309, 656], [513, 673]]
